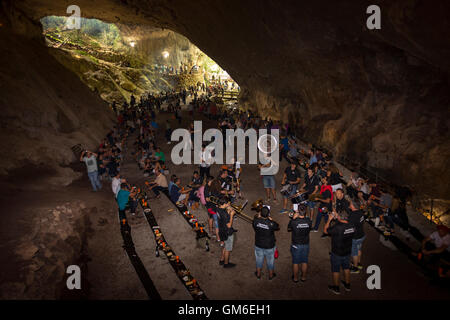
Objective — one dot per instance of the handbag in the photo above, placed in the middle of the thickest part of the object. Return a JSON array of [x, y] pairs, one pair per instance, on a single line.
[[276, 253]]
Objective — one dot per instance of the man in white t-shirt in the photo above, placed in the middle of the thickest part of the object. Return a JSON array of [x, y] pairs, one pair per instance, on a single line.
[[437, 245], [159, 184], [441, 239], [206, 159], [90, 159], [115, 184]]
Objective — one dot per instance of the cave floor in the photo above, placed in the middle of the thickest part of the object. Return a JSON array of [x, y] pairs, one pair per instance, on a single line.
[[401, 279], [111, 275]]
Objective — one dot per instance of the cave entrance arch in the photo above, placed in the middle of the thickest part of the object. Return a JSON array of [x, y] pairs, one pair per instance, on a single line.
[[118, 61]]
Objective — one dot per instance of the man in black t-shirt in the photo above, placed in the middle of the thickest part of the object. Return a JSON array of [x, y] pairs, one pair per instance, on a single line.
[[265, 229], [341, 232], [356, 217], [340, 204], [226, 184], [300, 226], [196, 181], [311, 186], [292, 177], [225, 217]]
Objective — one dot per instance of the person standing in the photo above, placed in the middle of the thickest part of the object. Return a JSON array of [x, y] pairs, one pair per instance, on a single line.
[[268, 179], [211, 208], [300, 226], [340, 203], [356, 217], [284, 144], [168, 131], [311, 186], [226, 232], [292, 177], [265, 247], [205, 164], [91, 164], [126, 199], [115, 184], [341, 232], [326, 203]]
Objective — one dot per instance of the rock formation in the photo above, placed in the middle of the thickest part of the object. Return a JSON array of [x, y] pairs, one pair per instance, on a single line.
[[46, 110], [57, 239]]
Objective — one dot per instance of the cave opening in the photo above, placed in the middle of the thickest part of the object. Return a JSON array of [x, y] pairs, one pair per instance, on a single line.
[[116, 62]]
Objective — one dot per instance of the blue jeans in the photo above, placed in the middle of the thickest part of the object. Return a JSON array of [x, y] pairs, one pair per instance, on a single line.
[[93, 176], [269, 254], [320, 214], [293, 191], [216, 221]]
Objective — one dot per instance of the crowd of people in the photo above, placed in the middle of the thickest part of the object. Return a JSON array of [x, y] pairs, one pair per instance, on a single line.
[[315, 195]]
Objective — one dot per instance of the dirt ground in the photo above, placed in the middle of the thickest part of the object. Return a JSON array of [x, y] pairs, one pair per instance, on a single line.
[[111, 275]]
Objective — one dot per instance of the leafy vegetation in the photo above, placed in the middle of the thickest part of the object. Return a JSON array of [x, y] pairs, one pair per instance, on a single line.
[[101, 33]]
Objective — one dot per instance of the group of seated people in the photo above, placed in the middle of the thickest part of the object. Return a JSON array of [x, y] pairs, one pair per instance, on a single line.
[[324, 185], [107, 161], [109, 155], [149, 157], [385, 209], [322, 181], [186, 195], [199, 190]]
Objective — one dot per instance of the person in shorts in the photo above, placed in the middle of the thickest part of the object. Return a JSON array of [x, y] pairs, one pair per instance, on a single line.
[[213, 222], [226, 232], [341, 232], [356, 217], [268, 181], [292, 177], [311, 186], [300, 226], [265, 240]]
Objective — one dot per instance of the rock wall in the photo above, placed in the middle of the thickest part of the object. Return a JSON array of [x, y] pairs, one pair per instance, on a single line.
[[376, 96], [46, 110], [57, 239], [151, 42]]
